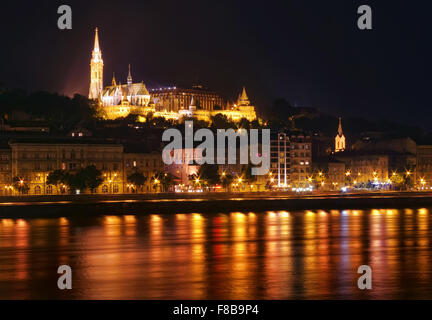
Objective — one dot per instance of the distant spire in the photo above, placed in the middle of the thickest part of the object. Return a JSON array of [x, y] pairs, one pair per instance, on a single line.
[[129, 77], [243, 99], [96, 42], [244, 95], [113, 83], [340, 132]]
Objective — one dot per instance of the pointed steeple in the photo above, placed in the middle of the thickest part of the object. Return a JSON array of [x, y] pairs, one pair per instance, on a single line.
[[96, 70], [340, 132], [340, 138], [96, 42], [129, 77], [113, 82], [243, 99], [244, 95]]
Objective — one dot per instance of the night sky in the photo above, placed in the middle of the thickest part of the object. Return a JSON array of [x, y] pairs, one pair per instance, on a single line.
[[309, 52]]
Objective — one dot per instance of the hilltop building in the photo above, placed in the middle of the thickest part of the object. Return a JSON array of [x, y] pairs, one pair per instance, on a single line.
[[120, 100]]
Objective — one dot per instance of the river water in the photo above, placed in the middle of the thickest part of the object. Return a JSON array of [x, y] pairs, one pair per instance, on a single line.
[[237, 255]]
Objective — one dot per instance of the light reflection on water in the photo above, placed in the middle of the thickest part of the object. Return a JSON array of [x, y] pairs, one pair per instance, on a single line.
[[238, 255]]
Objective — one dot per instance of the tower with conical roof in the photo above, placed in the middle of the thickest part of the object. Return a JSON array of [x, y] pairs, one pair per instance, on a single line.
[[243, 99], [340, 138], [96, 70]]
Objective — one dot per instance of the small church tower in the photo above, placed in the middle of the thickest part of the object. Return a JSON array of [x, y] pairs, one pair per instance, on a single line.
[[96, 70], [129, 78], [340, 138]]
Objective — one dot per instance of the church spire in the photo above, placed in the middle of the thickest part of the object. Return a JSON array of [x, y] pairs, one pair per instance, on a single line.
[[96, 42], [340, 138], [340, 132], [243, 99], [244, 95], [113, 82], [129, 77], [96, 70]]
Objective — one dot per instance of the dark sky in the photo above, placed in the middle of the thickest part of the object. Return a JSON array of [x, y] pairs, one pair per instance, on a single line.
[[309, 52]]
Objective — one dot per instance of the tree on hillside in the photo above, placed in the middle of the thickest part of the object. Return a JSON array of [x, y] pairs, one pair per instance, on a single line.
[[220, 121]]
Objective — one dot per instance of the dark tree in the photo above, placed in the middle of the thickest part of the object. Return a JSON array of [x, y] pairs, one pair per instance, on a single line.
[[137, 178], [226, 180], [91, 176], [20, 185], [209, 174], [165, 180], [57, 177]]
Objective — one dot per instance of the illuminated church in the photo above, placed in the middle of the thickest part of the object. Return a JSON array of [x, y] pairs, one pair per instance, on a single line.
[[119, 100], [340, 138]]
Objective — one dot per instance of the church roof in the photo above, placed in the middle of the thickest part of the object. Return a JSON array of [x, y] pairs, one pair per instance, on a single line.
[[135, 89]]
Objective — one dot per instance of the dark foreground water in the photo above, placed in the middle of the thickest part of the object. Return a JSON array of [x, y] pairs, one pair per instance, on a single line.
[[269, 255]]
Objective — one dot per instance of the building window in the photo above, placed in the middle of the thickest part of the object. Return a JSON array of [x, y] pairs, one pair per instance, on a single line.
[[115, 188], [37, 190], [49, 190], [105, 189]]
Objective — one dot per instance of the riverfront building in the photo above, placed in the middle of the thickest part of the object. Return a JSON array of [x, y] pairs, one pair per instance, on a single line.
[[25, 166], [290, 160]]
